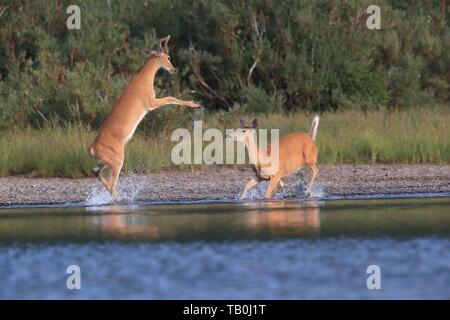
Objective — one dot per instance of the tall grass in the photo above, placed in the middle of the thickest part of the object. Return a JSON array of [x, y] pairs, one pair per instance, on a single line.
[[408, 136], [57, 151]]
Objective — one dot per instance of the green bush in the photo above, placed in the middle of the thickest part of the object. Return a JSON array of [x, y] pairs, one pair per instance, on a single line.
[[301, 62]]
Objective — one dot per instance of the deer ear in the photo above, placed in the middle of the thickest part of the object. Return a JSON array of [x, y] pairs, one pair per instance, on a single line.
[[255, 123], [241, 120]]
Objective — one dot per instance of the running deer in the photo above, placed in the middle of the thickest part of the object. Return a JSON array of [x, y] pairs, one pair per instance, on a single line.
[[137, 99], [294, 151]]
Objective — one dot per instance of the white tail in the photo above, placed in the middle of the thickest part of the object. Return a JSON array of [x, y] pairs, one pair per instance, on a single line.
[[314, 125]]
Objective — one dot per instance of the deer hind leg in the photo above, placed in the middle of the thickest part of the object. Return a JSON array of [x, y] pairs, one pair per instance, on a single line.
[[113, 177], [274, 181], [315, 171], [97, 171], [111, 158], [253, 182], [279, 186]]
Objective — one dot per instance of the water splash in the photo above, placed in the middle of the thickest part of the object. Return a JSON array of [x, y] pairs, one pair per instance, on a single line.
[[301, 191], [318, 191], [256, 192], [297, 191], [128, 189]]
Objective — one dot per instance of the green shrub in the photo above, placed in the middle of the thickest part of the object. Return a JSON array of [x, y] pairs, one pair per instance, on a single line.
[[49, 74]]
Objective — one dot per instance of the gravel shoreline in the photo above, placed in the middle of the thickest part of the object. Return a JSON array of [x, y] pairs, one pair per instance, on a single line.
[[219, 182]]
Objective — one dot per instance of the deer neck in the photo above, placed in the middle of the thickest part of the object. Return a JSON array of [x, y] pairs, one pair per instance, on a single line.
[[149, 71], [253, 152]]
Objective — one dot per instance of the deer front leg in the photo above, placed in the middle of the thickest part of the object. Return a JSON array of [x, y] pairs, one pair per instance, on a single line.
[[156, 103], [253, 182], [272, 185]]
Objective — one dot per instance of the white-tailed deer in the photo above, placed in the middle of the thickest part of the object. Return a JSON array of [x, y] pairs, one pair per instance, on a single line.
[[294, 151], [137, 99]]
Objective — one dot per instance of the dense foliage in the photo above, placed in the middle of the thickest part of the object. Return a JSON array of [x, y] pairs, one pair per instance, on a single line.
[[306, 55]]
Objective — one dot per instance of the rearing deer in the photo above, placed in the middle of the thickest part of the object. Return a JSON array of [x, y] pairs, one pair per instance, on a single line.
[[294, 151], [137, 99]]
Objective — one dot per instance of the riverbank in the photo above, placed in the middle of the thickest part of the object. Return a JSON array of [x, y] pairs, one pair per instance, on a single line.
[[219, 183]]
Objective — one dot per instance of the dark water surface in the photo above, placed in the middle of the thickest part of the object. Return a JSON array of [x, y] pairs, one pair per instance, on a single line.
[[249, 250]]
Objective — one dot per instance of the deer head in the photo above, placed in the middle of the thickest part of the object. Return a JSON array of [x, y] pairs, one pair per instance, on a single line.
[[244, 131], [162, 54]]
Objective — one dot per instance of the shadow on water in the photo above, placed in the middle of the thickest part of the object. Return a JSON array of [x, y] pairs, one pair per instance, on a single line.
[[262, 220]]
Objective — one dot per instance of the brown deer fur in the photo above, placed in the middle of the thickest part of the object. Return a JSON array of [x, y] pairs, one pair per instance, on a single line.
[[294, 151], [137, 99]]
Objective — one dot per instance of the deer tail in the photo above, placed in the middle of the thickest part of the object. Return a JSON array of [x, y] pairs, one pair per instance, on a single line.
[[314, 125]]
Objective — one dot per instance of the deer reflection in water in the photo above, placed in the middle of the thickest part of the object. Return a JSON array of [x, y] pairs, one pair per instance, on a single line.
[[200, 222], [278, 216], [116, 221]]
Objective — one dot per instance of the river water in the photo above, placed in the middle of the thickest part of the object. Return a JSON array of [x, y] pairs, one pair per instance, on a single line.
[[296, 249]]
